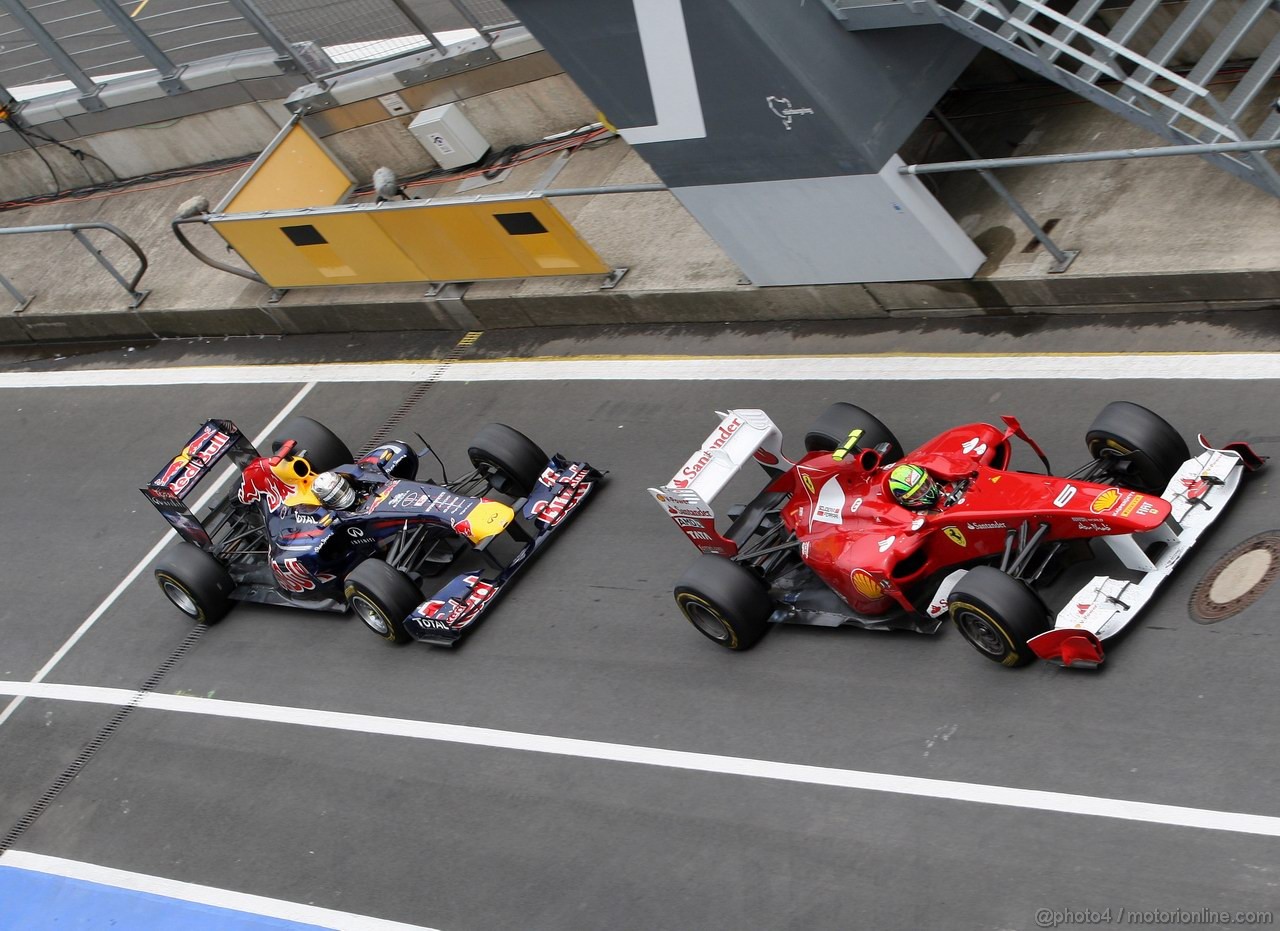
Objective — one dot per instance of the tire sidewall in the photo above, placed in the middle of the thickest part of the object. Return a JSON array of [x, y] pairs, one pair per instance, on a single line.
[[1005, 606], [731, 595], [731, 641], [166, 579], [385, 590], [1133, 432]]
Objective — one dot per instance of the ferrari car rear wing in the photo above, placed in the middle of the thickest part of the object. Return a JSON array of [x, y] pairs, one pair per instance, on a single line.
[[167, 491], [743, 435], [1104, 606]]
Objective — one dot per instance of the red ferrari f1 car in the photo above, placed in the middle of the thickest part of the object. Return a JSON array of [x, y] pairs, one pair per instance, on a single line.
[[854, 532], [305, 526]]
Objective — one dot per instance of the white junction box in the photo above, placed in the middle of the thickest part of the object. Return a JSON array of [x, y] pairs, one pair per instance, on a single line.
[[448, 135]]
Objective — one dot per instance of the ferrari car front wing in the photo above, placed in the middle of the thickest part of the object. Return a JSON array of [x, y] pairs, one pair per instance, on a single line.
[[1104, 606]]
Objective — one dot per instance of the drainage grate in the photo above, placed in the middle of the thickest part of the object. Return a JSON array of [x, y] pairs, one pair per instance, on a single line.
[[1237, 580], [93, 746], [417, 391]]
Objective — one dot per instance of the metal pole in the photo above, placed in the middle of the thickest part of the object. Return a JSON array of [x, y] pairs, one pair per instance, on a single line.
[[75, 230], [616, 189], [49, 45], [1062, 259], [464, 11], [133, 32], [211, 262], [279, 44], [1020, 161], [17, 295], [138, 296], [419, 25]]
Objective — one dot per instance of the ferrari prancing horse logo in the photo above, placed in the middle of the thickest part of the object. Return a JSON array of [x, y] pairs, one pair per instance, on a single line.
[[955, 536]]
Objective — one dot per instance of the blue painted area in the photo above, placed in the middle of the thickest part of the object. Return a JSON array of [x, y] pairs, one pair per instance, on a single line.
[[32, 901]]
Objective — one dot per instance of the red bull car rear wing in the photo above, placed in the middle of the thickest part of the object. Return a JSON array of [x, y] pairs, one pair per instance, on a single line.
[[211, 443]]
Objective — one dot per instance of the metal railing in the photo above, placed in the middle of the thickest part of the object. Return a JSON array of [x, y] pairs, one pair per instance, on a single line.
[[49, 46], [77, 230]]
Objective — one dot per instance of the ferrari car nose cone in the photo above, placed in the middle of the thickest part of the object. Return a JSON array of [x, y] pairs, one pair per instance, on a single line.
[[1237, 580]]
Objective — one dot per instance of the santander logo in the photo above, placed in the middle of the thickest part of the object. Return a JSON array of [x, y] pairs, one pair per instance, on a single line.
[[700, 459]]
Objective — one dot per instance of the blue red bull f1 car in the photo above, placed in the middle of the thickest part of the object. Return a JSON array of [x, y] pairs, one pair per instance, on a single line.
[[308, 527]]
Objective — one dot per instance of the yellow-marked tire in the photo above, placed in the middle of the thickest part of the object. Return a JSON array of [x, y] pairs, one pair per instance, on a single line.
[[725, 602], [382, 597], [997, 614], [196, 583], [1146, 447], [832, 428]]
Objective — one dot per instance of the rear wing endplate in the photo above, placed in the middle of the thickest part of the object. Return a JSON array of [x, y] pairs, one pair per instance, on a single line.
[[171, 485], [742, 436]]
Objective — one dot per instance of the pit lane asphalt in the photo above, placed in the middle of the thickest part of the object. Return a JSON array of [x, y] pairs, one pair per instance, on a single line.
[[589, 645]]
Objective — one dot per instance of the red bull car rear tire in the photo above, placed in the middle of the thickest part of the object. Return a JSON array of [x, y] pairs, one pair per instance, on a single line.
[[196, 583]]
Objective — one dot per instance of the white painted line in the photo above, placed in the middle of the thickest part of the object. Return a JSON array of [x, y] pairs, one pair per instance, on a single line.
[[137, 570], [1006, 796], [1091, 367], [201, 895], [673, 84]]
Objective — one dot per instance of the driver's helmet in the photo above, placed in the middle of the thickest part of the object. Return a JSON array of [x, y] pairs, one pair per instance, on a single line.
[[913, 487], [334, 491]]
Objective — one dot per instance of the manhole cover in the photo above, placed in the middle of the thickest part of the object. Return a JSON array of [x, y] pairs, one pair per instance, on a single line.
[[1237, 580]]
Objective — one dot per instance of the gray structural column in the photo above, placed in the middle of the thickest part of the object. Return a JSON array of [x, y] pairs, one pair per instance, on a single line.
[[169, 80], [774, 126], [49, 45]]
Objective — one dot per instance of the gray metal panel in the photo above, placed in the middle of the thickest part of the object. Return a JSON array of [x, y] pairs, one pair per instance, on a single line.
[[859, 228], [752, 58]]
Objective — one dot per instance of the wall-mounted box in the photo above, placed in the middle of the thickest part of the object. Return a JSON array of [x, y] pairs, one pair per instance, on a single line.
[[448, 135]]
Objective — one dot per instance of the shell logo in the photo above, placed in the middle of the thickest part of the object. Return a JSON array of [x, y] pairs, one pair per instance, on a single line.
[[865, 584], [1105, 501]]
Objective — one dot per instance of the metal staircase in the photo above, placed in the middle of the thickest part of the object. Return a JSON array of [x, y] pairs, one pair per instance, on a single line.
[[1150, 61]]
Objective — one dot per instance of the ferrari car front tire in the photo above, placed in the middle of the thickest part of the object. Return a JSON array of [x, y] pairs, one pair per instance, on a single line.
[[832, 428], [1127, 431], [320, 446], [512, 461], [197, 584], [382, 597], [726, 602], [997, 614]]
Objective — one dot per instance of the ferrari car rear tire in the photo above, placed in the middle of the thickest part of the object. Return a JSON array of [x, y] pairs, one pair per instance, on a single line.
[[512, 460], [319, 445], [833, 426], [725, 602], [998, 614], [1127, 431], [197, 584], [382, 597]]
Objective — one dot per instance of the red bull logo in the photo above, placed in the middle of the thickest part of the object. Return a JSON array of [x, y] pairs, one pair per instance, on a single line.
[[195, 457], [261, 482]]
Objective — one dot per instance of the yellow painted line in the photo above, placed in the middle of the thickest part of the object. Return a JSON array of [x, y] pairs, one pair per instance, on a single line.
[[139, 8]]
